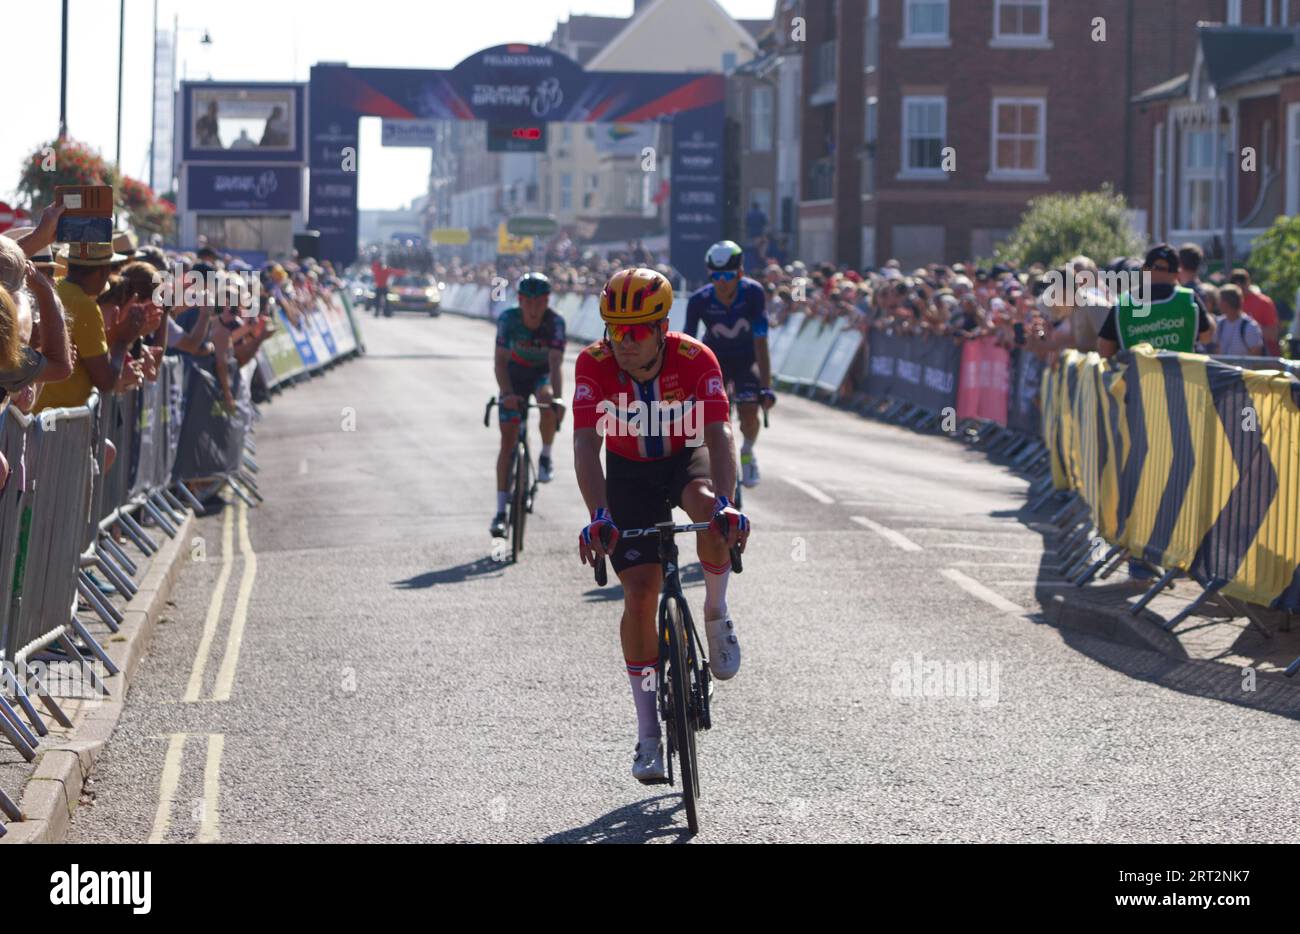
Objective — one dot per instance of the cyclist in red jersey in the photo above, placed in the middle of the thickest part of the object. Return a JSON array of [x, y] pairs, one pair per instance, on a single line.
[[657, 399]]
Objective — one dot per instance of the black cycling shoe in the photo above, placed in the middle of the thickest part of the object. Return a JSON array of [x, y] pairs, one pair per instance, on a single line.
[[544, 470], [498, 529]]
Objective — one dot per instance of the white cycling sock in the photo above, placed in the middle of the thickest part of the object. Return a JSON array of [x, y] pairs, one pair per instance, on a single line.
[[644, 683], [546, 451], [501, 500], [747, 447], [715, 589]]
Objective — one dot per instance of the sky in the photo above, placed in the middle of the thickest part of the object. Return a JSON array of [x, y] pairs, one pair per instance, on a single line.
[[254, 40]]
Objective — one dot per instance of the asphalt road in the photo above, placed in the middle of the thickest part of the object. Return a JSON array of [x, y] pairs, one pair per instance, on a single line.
[[394, 683]]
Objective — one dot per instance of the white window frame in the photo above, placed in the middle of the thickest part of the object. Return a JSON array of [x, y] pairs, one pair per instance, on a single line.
[[1234, 12], [925, 40], [566, 191], [1188, 175], [1020, 40], [760, 119], [906, 171], [1039, 172]]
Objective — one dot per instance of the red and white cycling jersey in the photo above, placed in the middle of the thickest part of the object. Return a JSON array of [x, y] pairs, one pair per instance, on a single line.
[[654, 420]]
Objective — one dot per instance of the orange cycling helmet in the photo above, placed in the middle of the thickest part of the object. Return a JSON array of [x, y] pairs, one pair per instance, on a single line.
[[635, 296]]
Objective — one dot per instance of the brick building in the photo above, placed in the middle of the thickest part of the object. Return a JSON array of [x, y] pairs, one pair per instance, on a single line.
[[1222, 154], [927, 125]]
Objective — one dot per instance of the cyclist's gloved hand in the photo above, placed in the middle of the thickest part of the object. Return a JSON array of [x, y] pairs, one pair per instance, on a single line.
[[597, 540], [766, 397], [730, 523]]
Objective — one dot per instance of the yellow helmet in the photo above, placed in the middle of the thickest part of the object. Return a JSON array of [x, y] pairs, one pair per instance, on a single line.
[[635, 296]]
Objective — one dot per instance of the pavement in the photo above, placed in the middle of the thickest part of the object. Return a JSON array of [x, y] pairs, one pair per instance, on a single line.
[[349, 663]]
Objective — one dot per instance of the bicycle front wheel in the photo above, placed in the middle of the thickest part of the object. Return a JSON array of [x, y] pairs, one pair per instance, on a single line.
[[520, 506], [678, 713]]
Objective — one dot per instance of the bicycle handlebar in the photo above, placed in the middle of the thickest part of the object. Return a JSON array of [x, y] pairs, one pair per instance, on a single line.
[[602, 576], [487, 412]]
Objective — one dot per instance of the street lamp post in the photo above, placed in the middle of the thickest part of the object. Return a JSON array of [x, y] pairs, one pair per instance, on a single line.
[[63, 77], [121, 49]]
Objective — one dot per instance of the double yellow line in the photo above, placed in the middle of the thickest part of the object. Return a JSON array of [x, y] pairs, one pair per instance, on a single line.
[[209, 821], [208, 818], [235, 638]]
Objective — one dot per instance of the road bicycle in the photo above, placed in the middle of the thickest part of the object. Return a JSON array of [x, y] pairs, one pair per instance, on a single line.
[[684, 682], [522, 490]]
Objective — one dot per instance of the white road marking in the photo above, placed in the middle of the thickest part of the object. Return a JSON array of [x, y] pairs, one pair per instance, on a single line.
[[226, 674], [1020, 551], [897, 539], [171, 776], [214, 610], [969, 530], [976, 589], [809, 489], [209, 829], [993, 564]]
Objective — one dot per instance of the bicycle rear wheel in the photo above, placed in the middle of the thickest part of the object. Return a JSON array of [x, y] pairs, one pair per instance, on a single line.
[[678, 713], [519, 508]]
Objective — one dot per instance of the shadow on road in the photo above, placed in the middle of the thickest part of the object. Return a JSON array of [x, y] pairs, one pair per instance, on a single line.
[[642, 822], [483, 567], [690, 574]]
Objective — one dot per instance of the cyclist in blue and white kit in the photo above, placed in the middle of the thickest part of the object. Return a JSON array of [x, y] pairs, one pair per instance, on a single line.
[[734, 311]]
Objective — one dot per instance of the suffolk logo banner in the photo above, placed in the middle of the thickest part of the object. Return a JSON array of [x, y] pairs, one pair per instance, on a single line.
[[1187, 462]]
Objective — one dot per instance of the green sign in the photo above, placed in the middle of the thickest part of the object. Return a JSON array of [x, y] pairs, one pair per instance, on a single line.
[[1166, 325], [531, 226]]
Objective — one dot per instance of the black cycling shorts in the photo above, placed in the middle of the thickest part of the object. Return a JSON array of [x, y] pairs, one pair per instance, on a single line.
[[639, 494], [740, 374], [525, 381]]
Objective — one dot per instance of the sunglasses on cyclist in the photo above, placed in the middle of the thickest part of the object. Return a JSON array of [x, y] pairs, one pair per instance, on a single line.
[[637, 332], [724, 275]]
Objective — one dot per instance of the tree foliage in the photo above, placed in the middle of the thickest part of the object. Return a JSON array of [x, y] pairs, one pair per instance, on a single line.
[[1056, 227]]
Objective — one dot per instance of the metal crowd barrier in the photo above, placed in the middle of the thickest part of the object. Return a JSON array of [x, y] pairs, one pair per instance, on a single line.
[[1262, 363], [1219, 501], [59, 510], [44, 511]]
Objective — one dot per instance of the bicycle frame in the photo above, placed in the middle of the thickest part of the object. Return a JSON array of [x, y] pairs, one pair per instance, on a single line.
[[685, 707], [521, 450], [672, 592]]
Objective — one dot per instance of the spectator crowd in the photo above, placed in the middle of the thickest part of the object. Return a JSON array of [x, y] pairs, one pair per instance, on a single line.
[[89, 317], [1016, 307]]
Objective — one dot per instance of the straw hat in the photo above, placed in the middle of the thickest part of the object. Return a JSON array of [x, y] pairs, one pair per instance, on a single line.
[[90, 254]]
